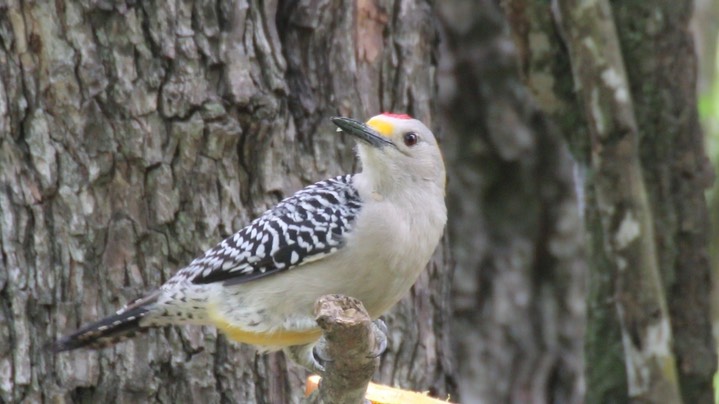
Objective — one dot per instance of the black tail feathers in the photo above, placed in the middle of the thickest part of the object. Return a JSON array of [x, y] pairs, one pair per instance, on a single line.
[[110, 330]]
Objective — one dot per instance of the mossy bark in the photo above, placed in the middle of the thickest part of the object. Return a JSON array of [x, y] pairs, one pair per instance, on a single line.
[[656, 48]]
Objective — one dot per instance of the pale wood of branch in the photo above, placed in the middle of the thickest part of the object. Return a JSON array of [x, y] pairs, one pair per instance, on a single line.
[[349, 343]]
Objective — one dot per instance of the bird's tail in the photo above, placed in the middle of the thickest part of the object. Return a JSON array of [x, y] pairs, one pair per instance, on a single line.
[[110, 330]]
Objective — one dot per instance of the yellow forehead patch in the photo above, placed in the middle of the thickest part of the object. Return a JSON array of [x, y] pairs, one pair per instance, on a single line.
[[382, 126]]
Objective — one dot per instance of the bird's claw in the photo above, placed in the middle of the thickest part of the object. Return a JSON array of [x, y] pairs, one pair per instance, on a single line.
[[380, 334], [319, 353], [313, 357], [307, 357]]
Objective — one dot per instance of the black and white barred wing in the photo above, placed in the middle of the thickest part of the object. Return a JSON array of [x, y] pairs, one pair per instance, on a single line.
[[305, 227]]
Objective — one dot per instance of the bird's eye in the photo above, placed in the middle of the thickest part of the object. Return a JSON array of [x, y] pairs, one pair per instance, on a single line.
[[410, 138]]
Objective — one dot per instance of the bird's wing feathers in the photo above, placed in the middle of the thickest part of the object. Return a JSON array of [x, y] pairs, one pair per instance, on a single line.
[[305, 227]]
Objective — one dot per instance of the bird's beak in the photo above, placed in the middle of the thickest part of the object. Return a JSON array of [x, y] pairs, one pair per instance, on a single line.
[[362, 131]]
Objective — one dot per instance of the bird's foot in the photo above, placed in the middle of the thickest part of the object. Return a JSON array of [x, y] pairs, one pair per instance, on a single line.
[[310, 356], [313, 357], [380, 335]]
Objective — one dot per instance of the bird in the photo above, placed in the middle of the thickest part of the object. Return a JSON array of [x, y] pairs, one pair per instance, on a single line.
[[367, 235]]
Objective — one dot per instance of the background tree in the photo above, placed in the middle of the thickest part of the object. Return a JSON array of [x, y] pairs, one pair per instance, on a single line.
[[516, 232], [620, 80]]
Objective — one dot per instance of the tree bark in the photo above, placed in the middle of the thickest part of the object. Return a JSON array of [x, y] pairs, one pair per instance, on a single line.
[[350, 343], [677, 172], [134, 136], [621, 200], [516, 232], [657, 51]]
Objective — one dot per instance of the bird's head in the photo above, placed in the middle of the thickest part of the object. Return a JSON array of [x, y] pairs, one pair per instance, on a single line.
[[396, 149]]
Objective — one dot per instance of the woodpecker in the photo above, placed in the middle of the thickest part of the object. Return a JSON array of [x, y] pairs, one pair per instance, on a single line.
[[368, 235]]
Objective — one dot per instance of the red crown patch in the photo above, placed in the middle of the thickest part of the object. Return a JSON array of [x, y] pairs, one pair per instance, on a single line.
[[396, 116]]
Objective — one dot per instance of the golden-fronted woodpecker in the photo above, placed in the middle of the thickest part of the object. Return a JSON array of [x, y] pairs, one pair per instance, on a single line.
[[367, 235]]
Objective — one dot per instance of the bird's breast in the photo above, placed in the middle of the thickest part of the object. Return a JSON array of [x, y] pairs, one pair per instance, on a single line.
[[390, 246]]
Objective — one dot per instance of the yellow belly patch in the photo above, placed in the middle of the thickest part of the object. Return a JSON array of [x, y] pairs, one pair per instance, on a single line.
[[273, 339]]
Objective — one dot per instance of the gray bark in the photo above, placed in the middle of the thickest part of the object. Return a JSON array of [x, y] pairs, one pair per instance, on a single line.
[[134, 136], [677, 172], [350, 344], [661, 82], [519, 283], [621, 200]]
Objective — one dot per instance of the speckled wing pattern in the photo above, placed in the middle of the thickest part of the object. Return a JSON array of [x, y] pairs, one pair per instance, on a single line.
[[305, 227]]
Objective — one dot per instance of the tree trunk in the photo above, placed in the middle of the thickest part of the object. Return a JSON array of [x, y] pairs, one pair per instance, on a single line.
[[664, 77], [133, 137], [655, 45], [519, 282], [620, 198]]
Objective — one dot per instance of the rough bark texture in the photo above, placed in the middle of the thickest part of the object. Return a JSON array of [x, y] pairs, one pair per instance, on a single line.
[[133, 136], [349, 344], [519, 282], [660, 64], [547, 72], [621, 199], [677, 172]]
